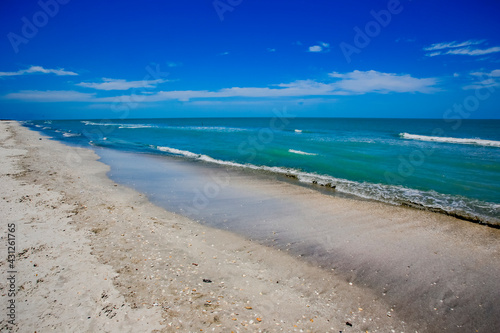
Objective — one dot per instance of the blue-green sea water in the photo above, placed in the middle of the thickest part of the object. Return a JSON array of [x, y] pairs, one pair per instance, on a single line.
[[447, 166]]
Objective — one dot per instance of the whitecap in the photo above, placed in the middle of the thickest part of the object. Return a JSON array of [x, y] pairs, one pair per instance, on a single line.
[[465, 141], [392, 194], [177, 151], [68, 135], [300, 152]]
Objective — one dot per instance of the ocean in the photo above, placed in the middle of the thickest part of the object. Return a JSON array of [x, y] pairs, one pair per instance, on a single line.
[[451, 167]]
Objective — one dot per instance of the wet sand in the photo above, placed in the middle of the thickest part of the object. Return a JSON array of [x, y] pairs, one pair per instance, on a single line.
[[434, 270], [98, 256]]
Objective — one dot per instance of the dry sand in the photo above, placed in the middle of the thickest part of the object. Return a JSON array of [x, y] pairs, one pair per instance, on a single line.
[[94, 256]]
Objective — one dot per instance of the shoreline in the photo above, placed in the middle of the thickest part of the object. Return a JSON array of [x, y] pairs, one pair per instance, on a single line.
[[470, 207], [424, 263], [127, 265], [158, 260]]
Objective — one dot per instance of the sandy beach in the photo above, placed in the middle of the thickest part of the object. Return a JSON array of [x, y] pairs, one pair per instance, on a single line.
[[96, 256]]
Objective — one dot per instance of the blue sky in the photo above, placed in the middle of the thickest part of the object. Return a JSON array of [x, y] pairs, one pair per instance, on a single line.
[[65, 59]]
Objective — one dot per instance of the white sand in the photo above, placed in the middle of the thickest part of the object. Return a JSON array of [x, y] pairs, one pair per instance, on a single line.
[[98, 257]]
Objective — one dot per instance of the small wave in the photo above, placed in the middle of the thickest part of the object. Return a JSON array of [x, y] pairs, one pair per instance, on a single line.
[[207, 158], [458, 206], [69, 135], [209, 128], [120, 125], [189, 128], [178, 152], [131, 126], [301, 152], [90, 123], [298, 131], [478, 142]]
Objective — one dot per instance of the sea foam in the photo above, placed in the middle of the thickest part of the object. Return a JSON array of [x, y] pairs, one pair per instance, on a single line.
[[479, 142], [392, 194], [300, 152]]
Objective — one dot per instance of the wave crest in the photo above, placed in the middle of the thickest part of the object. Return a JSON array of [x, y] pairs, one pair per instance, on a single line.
[[470, 209], [300, 152], [464, 141]]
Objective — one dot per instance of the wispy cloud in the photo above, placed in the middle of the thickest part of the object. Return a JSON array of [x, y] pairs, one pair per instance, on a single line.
[[352, 83], [271, 50], [469, 47], [50, 96], [449, 45], [321, 47], [493, 73], [38, 69], [484, 80], [474, 52], [119, 84], [376, 82]]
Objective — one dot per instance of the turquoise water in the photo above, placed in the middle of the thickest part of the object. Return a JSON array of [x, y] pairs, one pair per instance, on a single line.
[[448, 166]]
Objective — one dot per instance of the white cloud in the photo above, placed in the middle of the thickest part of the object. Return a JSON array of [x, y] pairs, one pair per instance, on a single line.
[[460, 48], [321, 47], [433, 54], [223, 53], [119, 84], [488, 83], [493, 73], [441, 46], [300, 101], [376, 82], [38, 69], [486, 80], [353, 83], [474, 52], [50, 96], [315, 48]]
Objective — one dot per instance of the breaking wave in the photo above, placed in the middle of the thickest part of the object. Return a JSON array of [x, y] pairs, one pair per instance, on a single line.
[[458, 206], [478, 142], [300, 152]]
